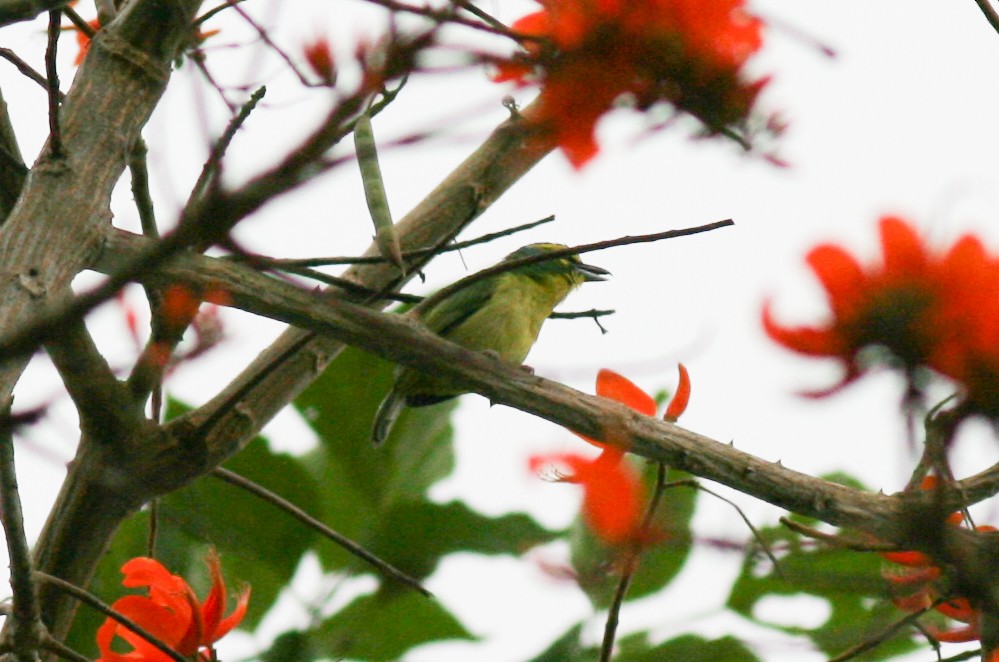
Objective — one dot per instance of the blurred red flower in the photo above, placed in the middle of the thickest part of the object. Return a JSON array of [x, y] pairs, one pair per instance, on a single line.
[[319, 56], [587, 54], [925, 308], [612, 493]]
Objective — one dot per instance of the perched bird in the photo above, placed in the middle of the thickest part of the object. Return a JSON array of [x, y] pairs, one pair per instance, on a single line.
[[500, 314]]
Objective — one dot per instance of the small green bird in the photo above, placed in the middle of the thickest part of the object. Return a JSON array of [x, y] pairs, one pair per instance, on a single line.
[[500, 314]]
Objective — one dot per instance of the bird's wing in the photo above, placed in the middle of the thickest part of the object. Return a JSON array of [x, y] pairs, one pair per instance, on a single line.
[[449, 314]]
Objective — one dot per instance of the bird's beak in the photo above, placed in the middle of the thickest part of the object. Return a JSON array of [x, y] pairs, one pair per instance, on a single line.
[[592, 273]]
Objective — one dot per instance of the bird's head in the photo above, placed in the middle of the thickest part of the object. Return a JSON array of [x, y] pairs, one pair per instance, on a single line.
[[567, 266]]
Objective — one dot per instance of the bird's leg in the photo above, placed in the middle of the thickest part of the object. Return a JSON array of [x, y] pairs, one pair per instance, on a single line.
[[493, 354]]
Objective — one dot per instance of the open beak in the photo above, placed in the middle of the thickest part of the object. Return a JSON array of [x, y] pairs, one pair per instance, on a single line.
[[592, 273]]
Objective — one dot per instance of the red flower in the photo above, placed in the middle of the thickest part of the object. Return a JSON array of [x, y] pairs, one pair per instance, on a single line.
[[83, 40], [938, 310], [612, 490], [915, 586], [171, 613], [587, 54], [612, 494], [320, 58]]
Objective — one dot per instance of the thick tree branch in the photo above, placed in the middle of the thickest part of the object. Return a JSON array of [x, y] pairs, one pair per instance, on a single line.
[[15, 11], [103, 403], [13, 172]]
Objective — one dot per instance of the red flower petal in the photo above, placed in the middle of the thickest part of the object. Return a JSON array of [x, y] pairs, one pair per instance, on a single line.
[[612, 494], [901, 246], [840, 274], [621, 389], [678, 404]]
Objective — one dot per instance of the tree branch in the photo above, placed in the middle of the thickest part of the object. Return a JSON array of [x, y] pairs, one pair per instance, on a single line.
[[15, 11]]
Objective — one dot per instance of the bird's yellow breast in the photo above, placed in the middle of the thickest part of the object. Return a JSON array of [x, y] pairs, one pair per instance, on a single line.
[[511, 320]]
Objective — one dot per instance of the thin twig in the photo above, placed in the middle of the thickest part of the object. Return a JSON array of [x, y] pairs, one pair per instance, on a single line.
[[487, 18], [442, 16], [137, 167], [147, 374], [877, 640], [693, 484], [352, 287], [575, 315], [840, 542], [349, 545], [213, 165], [265, 37], [510, 265], [27, 69], [634, 554], [55, 646], [281, 263], [52, 76], [215, 10], [26, 623], [92, 600], [78, 22]]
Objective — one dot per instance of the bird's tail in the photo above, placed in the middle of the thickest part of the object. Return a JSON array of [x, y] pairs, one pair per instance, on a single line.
[[385, 417]]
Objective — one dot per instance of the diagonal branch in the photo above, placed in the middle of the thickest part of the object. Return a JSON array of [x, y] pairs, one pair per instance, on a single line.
[[990, 13], [103, 403], [15, 11]]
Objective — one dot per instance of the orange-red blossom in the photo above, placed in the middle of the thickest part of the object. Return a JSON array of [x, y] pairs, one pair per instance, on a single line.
[[928, 308], [915, 587], [319, 56], [613, 497], [171, 612], [589, 54]]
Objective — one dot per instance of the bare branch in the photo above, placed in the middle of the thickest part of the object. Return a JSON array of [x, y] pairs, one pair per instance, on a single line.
[[52, 78], [15, 11]]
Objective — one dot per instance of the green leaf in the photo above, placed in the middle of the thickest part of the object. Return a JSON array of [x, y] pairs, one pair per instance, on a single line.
[[415, 536], [291, 646], [385, 625], [594, 561], [688, 647], [361, 485], [850, 582], [568, 648]]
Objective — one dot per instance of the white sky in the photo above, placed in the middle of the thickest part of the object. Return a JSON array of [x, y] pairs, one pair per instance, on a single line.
[[901, 121]]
